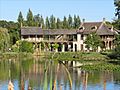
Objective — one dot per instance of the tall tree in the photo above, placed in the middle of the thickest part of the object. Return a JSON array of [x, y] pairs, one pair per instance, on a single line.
[[70, 23], [58, 23], [47, 23], [52, 22], [42, 22], [116, 22], [30, 20], [75, 22], [65, 23], [20, 19], [117, 5], [78, 22], [37, 20]]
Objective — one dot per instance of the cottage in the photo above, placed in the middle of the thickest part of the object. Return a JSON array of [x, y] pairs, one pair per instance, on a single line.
[[71, 40]]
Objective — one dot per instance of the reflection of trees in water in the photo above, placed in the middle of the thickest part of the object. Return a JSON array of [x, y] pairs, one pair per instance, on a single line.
[[36, 73], [116, 77]]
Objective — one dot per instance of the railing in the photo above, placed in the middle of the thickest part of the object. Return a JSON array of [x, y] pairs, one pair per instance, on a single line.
[[107, 39]]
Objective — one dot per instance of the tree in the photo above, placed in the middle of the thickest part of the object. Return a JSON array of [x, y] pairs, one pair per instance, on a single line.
[[58, 23], [52, 22], [116, 22], [65, 23], [30, 21], [70, 23], [75, 22], [20, 19], [4, 40], [13, 30], [117, 5], [116, 51], [47, 23], [37, 20], [42, 22], [93, 41], [78, 22]]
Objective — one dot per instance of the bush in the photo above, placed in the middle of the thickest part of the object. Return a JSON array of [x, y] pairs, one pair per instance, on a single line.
[[26, 46], [115, 53]]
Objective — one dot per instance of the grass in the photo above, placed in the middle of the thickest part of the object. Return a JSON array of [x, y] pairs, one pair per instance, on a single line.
[[101, 67], [15, 55], [77, 56]]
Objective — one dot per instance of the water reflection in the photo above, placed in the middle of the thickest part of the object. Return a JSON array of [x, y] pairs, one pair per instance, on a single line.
[[29, 74]]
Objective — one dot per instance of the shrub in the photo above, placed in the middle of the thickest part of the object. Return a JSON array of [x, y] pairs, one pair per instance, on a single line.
[[26, 46]]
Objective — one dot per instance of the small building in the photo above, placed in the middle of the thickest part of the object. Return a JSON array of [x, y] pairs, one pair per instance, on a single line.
[[71, 40]]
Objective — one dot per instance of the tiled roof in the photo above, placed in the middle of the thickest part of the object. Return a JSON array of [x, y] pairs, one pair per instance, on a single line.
[[105, 30], [59, 31], [39, 31], [99, 27], [31, 31], [88, 25]]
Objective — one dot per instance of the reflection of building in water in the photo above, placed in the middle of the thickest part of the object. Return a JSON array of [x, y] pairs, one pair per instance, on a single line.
[[71, 40], [56, 73]]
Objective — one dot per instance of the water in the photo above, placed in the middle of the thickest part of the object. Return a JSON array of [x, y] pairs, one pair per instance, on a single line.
[[46, 75]]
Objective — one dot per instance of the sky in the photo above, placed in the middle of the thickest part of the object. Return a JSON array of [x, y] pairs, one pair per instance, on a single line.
[[90, 10]]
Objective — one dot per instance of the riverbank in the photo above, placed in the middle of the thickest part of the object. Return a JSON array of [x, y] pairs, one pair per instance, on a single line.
[[90, 61], [72, 56], [15, 55]]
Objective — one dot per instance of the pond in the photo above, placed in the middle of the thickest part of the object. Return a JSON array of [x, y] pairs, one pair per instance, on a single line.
[[37, 74]]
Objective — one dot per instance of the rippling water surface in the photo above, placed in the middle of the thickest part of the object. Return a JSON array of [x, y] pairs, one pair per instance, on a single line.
[[51, 75]]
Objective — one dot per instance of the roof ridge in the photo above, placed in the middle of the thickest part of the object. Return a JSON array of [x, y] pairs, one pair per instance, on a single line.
[[92, 22]]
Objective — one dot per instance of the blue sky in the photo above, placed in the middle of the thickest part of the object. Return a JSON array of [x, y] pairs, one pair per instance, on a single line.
[[91, 10]]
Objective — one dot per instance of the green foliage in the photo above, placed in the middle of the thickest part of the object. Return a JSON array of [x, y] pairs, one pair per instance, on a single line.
[[4, 40], [14, 36], [52, 22], [79, 56], [117, 5], [42, 45], [70, 22], [65, 23], [55, 46], [101, 67], [15, 48], [116, 52], [42, 22], [13, 30], [20, 19], [78, 22], [37, 20], [47, 24], [26, 46], [30, 21], [116, 22], [58, 23], [93, 41]]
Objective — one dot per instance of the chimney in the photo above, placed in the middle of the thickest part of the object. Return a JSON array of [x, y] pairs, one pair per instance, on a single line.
[[83, 20], [104, 20]]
